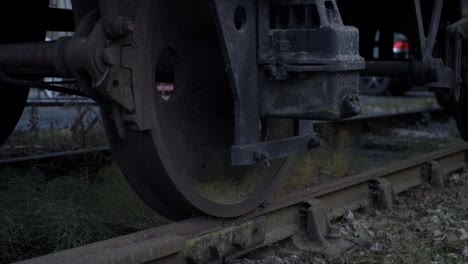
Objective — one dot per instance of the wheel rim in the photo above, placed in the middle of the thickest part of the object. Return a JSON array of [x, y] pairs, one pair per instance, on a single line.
[[461, 106], [182, 165], [28, 27], [12, 103]]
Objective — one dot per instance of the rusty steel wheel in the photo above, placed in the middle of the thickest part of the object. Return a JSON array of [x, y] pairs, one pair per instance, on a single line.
[[27, 28], [12, 103], [461, 105], [181, 166]]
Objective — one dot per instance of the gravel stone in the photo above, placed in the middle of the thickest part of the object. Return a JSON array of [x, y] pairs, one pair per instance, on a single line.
[[377, 247], [465, 252], [437, 233], [349, 216]]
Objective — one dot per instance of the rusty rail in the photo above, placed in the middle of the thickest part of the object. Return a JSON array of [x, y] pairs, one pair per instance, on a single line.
[[61, 102], [204, 240], [59, 161]]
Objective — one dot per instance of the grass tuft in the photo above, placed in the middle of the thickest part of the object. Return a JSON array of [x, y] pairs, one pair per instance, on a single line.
[[334, 159], [41, 216]]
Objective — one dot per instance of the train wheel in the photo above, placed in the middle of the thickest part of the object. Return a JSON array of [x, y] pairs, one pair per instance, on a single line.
[[181, 166], [27, 28], [461, 106], [12, 103], [444, 99]]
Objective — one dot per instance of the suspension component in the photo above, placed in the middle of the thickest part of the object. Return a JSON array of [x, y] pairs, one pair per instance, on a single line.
[[309, 61]]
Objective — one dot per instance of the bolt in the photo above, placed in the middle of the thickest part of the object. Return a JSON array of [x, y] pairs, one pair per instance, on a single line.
[[351, 106], [261, 155], [120, 27]]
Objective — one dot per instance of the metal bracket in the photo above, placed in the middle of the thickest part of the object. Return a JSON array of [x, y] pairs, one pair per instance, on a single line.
[[226, 242], [264, 151], [457, 32], [320, 236], [382, 195], [433, 173], [236, 21], [431, 71], [426, 45]]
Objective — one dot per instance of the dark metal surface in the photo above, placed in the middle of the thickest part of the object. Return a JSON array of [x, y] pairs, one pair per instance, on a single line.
[[39, 54], [271, 150], [236, 22], [320, 96], [12, 103], [421, 34], [81, 8], [231, 65], [461, 105], [181, 165], [433, 28], [28, 28], [307, 72], [380, 122], [387, 68], [464, 8], [430, 72], [458, 41]]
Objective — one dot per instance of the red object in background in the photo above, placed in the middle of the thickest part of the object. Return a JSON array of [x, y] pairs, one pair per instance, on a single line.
[[165, 87], [165, 90], [400, 46]]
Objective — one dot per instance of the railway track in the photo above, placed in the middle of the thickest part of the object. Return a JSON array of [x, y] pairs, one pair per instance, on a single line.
[[302, 218], [58, 162], [289, 218], [45, 102]]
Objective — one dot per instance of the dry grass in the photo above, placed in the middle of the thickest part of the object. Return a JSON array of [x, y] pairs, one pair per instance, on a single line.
[[41, 216], [334, 159]]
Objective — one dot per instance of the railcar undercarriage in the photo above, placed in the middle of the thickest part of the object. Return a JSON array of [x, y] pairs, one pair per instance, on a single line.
[[240, 81]]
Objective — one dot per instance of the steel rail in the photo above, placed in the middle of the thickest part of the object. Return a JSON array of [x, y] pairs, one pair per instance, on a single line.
[[59, 102], [206, 240], [64, 157], [373, 121]]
